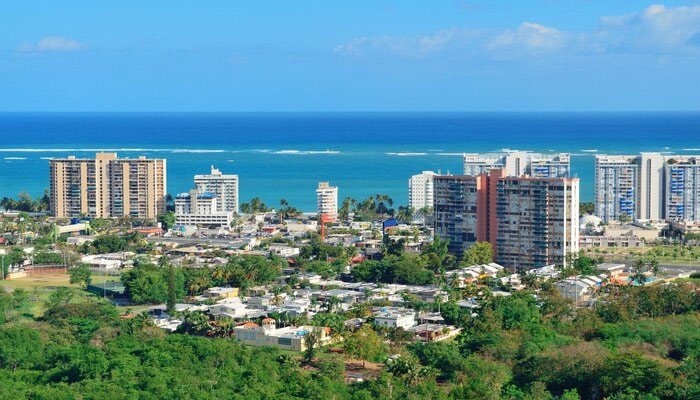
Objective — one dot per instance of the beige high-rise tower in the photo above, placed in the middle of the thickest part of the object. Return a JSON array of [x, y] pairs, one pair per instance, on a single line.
[[107, 186]]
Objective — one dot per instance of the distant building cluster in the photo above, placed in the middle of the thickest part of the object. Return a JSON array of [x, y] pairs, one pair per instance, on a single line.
[[518, 163], [526, 205]]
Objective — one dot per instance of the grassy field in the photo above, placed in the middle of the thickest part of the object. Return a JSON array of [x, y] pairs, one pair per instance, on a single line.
[[41, 286], [664, 254]]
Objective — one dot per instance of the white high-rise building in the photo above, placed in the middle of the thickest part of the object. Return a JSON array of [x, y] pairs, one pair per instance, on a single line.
[[616, 187], [682, 188], [225, 187], [420, 190], [327, 199], [519, 163], [648, 186]]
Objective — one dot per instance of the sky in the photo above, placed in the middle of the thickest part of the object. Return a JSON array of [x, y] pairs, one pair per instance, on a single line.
[[340, 55]]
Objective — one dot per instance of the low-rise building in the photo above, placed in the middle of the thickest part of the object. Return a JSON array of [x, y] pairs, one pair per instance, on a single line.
[[104, 261], [595, 241], [217, 293], [612, 270], [287, 338], [579, 289], [230, 308], [283, 250], [433, 332], [395, 318]]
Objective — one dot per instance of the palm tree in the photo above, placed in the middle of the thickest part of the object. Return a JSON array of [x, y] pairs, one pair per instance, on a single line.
[[225, 327], [455, 281], [277, 297], [283, 211], [220, 274], [332, 303]]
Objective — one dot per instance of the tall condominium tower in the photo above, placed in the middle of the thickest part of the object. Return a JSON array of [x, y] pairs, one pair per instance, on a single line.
[[420, 190], [537, 221], [530, 222], [648, 186], [682, 188], [224, 186], [518, 163], [107, 186], [327, 199]]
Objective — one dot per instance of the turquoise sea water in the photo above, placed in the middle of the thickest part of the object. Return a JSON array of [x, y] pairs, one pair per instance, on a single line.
[[285, 155]]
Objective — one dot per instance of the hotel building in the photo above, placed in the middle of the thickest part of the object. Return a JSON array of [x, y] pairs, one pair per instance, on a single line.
[[107, 186], [518, 163], [225, 187], [648, 186], [198, 208], [530, 222], [327, 200], [420, 190]]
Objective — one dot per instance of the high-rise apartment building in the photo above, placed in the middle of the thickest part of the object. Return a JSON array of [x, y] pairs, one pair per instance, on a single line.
[[327, 200], [530, 222], [224, 186], [648, 186], [616, 187], [518, 163], [682, 188], [107, 186], [420, 190], [537, 221], [458, 199]]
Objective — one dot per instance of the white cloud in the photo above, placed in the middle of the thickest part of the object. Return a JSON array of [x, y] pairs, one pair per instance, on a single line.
[[52, 44], [655, 30], [530, 37], [411, 46]]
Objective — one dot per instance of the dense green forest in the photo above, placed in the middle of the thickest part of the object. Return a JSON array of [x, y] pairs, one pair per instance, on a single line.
[[640, 343]]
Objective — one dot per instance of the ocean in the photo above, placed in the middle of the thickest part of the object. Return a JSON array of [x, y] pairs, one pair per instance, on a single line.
[[285, 155]]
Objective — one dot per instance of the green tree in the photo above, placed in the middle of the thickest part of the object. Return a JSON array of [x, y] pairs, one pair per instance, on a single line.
[[311, 341], [364, 344], [81, 274], [478, 253], [59, 298], [586, 208], [167, 220], [172, 295]]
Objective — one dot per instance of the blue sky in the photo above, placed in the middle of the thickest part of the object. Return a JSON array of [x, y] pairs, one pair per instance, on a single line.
[[328, 55]]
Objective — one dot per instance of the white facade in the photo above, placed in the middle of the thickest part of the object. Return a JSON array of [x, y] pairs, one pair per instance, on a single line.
[[196, 208], [420, 190], [395, 319], [518, 163], [616, 185], [682, 199], [327, 199], [648, 186], [225, 187]]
